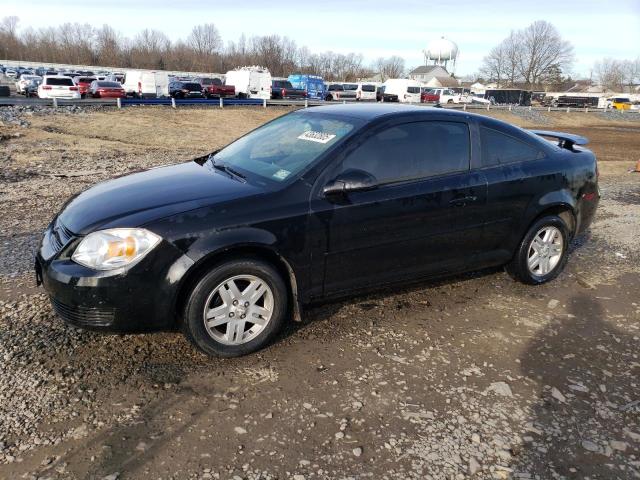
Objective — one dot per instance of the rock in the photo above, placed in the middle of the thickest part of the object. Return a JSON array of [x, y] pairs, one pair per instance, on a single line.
[[298, 477], [339, 435], [553, 303], [557, 394], [475, 438], [590, 446], [474, 466], [307, 406], [142, 446], [618, 445], [357, 451], [500, 388], [240, 430], [305, 462], [112, 476]]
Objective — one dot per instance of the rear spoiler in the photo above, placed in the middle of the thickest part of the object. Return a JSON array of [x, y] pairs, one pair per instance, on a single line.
[[565, 140]]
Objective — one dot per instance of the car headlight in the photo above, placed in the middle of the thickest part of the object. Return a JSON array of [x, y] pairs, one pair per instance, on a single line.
[[114, 248]]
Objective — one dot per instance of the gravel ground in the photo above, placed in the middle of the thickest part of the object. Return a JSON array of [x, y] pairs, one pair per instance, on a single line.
[[472, 377]]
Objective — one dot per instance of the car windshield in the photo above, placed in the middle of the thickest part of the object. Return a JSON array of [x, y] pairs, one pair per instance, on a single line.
[[192, 87], [285, 146]]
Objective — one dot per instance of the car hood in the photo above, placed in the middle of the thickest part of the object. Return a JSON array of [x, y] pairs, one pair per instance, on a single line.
[[139, 198]]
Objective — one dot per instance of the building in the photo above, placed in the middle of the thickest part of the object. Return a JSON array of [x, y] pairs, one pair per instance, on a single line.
[[434, 76]]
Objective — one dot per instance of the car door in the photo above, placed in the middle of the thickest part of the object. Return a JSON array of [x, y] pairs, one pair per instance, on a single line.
[[423, 217], [516, 172]]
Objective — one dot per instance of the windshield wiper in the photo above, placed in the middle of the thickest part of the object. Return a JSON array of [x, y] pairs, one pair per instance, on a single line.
[[229, 170]]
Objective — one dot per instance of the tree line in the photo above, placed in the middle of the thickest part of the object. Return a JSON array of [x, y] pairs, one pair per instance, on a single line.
[[203, 50]]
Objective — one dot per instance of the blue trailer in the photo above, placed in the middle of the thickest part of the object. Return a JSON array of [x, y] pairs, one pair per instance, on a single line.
[[312, 84]]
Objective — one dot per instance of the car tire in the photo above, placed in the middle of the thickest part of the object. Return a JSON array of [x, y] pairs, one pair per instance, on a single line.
[[531, 270], [213, 292]]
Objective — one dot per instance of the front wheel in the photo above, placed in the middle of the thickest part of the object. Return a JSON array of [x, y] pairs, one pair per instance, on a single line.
[[542, 253], [236, 309]]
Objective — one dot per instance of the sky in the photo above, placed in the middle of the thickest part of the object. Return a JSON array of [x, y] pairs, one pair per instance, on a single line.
[[597, 29]]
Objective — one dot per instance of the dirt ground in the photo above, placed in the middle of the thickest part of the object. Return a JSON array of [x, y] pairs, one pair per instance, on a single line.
[[472, 377]]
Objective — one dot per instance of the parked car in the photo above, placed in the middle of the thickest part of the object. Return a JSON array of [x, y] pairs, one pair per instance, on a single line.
[[31, 88], [179, 89], [83, 84], [337, 91], [428, 95], [312, 84], [408, 91], [619, 103], [58, 86], [281, 89], [23, 81], [366, 92], [382, 96], [10, 73], [214, 88], [250, 82], [317, 204], [106, 89]]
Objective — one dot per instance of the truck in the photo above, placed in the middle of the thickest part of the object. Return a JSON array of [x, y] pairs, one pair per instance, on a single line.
[[337, 91], [447, 95], [215, 88], [250, 82], [509, 96], [312, 84], [145, 84], [281, 89]]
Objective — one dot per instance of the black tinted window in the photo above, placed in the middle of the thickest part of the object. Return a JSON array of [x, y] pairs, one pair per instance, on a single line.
[[498, 148], [368, 88], [413, 150], [66, 81]]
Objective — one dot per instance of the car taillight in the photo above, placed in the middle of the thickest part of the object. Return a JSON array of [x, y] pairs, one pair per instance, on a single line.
[[73, 88], [139, 87], [284, 92]]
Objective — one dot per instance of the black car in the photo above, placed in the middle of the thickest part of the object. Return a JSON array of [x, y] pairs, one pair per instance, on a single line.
[[320, 203], [382, 96], [179, 89]]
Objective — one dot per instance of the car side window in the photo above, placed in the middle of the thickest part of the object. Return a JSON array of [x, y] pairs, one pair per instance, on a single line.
[[500, 149], [412, 151]]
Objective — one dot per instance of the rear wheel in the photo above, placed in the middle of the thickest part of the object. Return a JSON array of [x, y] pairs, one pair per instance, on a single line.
[[236, 309], [542, 253]]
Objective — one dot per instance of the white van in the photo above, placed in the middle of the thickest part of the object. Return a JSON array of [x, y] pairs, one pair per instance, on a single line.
[[146, 84], [408, 91], [366, 91], [250, 82]]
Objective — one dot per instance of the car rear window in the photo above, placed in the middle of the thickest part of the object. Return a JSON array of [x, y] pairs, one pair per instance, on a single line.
[[350, 86], [368, 88], [192, 87], [336, 87], [413, 89], [499, 148], [109, 84], [85, 80], [66, 82]]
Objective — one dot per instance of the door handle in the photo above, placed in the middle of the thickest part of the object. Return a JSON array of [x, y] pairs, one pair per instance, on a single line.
[[462, 201]]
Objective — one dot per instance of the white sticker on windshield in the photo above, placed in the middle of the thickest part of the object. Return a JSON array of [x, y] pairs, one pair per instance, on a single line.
[[319, 137], [281, 174]]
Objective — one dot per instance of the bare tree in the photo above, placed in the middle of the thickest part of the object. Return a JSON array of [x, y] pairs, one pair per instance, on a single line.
[[530, 56], [611, 73], [392, 67]]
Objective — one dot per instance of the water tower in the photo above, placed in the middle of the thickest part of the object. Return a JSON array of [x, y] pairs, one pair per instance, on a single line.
[[441, 52]]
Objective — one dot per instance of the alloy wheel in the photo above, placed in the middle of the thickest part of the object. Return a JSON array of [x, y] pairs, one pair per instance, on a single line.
[[545, 251], [238, 309]]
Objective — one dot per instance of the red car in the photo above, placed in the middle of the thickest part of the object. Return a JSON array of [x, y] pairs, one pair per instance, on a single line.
[[83, 84], [214, 88], [428, 96], [106, 89]]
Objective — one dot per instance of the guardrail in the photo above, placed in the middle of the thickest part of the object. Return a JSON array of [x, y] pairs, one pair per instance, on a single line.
[[232, 102]]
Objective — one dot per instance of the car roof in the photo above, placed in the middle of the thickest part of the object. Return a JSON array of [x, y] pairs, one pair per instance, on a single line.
[[372, 111]]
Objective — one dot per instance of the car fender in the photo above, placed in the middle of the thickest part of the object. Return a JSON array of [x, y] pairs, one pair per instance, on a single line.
[[207, 249], [556, 199]]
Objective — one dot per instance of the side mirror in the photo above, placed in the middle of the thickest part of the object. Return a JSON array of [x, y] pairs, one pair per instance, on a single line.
[[350, 181]]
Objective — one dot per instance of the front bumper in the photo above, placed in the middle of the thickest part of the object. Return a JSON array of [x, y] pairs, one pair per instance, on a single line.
[[141, 298]]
